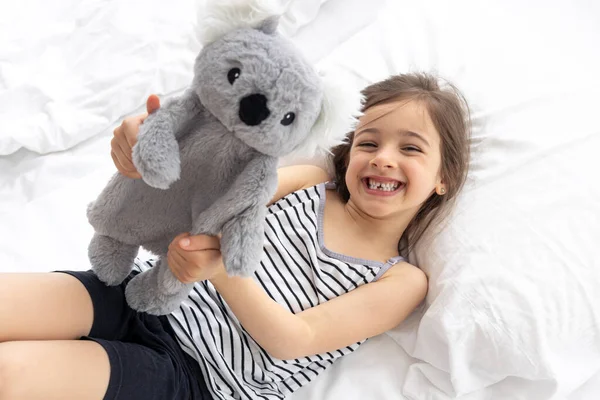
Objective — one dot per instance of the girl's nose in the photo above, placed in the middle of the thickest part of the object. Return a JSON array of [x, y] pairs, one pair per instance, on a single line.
[[384, 160]]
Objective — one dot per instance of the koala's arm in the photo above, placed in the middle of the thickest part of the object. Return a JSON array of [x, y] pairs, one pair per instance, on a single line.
[[176, 114], [254, 187], [156, 153]]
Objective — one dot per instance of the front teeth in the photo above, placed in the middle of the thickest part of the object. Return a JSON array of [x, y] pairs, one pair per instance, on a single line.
[[386, 187]]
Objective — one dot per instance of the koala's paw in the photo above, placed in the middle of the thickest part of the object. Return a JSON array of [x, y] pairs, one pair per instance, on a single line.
[[156, 157], [110, 259], [155, 292], [241, 250]]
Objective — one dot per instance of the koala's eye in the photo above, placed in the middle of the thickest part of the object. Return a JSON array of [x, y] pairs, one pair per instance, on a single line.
[[288, 118], [233, 74]]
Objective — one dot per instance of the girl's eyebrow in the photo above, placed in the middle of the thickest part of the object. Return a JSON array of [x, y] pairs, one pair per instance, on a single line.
[[415, 135], [401, 132], [367, 130]]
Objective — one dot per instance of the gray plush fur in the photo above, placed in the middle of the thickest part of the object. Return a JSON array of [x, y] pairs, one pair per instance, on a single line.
[[203, 169]]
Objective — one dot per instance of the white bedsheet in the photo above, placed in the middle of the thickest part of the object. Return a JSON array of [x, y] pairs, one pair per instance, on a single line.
[[69, 71]]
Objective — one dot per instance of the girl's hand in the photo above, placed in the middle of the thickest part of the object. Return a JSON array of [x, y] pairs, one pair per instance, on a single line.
[[125, 136], [195, 258]]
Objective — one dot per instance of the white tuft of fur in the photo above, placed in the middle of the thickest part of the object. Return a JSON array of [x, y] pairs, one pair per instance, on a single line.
[[340, 110], [219, 17]]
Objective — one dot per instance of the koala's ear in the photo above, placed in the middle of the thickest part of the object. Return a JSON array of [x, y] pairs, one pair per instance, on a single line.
[[269, 25], [219, 17], [340, 110]]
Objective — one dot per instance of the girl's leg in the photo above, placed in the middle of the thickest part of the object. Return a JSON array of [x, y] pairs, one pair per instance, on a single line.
[[43, 306], [54, 369]]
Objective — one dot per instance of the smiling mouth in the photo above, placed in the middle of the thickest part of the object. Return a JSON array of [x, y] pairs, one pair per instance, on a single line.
[[388, 186]]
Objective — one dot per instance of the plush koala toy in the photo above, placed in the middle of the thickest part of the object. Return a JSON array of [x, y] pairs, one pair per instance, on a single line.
[[208, 159]]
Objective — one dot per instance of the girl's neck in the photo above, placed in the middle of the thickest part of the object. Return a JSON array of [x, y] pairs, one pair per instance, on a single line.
[[377, 234], [382, 231]]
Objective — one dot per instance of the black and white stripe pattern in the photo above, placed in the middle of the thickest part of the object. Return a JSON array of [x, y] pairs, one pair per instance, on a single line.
[[298, 272]]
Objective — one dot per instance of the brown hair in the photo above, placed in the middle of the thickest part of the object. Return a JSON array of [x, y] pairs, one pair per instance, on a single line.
[[450, 115]]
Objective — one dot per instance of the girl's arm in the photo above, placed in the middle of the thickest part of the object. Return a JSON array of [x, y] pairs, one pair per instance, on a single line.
[[296, 177], [362, 313]]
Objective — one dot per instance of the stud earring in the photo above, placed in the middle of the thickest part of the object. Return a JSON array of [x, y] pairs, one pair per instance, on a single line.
[[442, 191]]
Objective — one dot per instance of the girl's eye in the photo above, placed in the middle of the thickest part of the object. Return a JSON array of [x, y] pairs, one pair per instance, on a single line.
[[412, 149], [367, 144]]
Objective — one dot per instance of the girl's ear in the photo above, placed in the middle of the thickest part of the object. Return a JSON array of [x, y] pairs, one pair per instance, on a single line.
[[340, 110], [440, 185]]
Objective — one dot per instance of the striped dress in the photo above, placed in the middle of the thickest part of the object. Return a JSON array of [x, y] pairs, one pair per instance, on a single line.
[[298, 272]]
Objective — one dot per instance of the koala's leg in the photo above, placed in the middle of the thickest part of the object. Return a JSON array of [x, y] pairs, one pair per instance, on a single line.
[[242, 241], [111, 259], [156, 291]]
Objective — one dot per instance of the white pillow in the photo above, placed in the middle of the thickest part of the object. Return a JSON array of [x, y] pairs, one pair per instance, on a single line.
[[513, 277]]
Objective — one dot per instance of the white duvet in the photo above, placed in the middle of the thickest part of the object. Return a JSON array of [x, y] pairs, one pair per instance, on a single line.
[[513, 309]]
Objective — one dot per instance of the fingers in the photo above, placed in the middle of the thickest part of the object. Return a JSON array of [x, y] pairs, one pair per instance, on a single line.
[[177, 264], [122, 161], [129, 129], [152, 104], [188, 242], [122, 169], [198, 260], [121, 150], [199, 242], [124, 138], [175, 243], [192, 266]]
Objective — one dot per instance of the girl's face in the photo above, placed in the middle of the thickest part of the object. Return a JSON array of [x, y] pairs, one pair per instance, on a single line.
[[394, 160]]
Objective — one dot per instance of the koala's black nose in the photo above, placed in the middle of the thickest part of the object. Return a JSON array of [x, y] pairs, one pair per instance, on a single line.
[[253, 109]]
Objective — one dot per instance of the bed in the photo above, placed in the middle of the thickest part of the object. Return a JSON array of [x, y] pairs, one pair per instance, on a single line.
[[513, 308]]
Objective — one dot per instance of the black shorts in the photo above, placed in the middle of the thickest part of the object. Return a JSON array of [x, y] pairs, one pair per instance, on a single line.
[[146, 362]]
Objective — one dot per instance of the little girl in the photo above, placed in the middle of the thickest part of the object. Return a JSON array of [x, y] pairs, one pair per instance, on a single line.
[[333, 273]]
